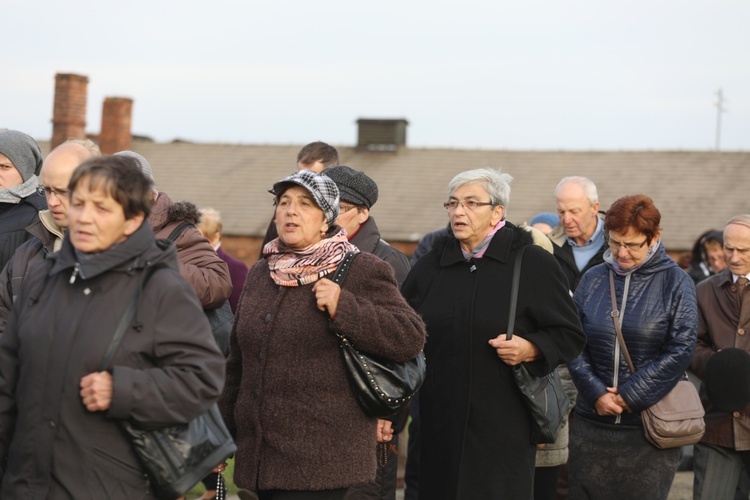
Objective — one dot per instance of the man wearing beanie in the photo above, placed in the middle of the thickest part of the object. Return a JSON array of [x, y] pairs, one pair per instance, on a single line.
[[20, 198], [358, 194]]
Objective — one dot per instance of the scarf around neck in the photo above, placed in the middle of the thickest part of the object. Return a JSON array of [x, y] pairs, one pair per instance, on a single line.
[[15, 194], [297, 267]]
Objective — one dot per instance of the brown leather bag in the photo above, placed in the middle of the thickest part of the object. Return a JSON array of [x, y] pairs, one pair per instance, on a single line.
[[676, 420]]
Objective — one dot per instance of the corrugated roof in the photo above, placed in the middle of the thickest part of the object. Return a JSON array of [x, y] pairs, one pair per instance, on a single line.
[[694, 191]]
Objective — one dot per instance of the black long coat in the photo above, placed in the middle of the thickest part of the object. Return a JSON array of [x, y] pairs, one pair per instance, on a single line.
[[475, 426]]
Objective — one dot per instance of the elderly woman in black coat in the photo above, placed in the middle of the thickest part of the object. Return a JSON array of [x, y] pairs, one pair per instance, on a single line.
[[476, 427], [59, 432]]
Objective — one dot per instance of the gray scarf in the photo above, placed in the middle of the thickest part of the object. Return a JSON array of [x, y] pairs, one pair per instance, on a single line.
[[15, 194]]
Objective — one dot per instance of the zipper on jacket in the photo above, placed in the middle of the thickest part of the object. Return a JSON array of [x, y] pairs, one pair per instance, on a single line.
[[74, 274]]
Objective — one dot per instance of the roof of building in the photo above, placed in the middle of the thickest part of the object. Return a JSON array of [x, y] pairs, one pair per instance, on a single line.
[[694, 191]]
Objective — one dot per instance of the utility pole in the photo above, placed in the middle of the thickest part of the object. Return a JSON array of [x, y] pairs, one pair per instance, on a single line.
[[720, 109]]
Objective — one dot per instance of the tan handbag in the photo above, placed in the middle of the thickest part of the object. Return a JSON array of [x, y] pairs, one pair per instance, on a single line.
[[676, 420]]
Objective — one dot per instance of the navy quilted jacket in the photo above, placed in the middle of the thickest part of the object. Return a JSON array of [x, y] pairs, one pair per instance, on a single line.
[[659, 327]]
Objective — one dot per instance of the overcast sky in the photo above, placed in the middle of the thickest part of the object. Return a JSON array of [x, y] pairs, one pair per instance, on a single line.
[[495, 74]]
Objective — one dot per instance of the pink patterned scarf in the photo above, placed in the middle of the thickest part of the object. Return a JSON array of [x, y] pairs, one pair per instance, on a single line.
[[296, 267]]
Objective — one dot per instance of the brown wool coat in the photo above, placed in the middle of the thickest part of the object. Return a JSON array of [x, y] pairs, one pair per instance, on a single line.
[[287, 400]]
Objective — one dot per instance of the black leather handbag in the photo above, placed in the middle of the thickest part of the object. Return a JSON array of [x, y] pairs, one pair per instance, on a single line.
[[382, 387], [177, 457], [545, 396]]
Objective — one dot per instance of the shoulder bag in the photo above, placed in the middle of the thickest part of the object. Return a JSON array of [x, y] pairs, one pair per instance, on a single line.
[[676, 420], [177, 457], [544, 396], [382, 387]]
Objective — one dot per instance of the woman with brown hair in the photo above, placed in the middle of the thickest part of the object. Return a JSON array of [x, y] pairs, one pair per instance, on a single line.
[[609, 454]]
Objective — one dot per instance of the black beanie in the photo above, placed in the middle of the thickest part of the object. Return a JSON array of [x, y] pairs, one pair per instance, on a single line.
[[355, 187], [727, 379]]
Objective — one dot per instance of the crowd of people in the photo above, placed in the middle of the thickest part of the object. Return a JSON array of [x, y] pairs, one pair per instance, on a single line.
[[82, 235]]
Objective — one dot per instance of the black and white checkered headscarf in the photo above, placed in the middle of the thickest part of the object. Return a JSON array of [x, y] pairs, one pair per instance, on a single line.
[[322, 189]]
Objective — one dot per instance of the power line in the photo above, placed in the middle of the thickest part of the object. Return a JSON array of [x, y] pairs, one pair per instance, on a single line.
[[720, 109]]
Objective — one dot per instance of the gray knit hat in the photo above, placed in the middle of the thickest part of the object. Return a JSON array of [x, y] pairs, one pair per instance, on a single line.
[[23, 151], [322, 189], [142, 162], [354, 185]]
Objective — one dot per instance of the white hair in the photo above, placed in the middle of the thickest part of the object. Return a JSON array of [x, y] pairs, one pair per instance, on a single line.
[[493, 181]]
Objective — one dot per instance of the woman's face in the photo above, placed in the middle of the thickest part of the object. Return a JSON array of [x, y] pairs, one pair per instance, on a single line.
[[9, 175], [470, 227], [299, 221], [97, 221], [628, 248]]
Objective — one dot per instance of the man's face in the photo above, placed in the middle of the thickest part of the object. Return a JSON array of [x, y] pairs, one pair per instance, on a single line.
[[316, 166], [56, 173], [577, 214], [737, 249]]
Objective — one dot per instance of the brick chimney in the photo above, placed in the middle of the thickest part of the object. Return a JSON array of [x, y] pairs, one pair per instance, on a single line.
[[69, 111], [116, 119], [381, 135]]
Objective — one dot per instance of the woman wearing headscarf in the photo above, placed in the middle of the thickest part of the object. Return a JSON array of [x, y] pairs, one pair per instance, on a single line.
[[288, 403], [20, 196], [609, 454], [59, 432], [475, 425]]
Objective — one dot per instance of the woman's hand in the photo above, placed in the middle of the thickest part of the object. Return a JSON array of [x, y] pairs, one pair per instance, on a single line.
[[385, 431], [327, 294], [96, 391], [611, 403], [514, 351]]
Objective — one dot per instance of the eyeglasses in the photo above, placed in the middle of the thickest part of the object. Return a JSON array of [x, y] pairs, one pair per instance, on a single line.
[[630, 247], [345, 208], [60, 194], [472, 205]]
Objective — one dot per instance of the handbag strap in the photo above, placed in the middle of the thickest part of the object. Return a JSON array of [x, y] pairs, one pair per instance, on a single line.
[[615, 314], [343, 268], [122, 326], [515, 283]]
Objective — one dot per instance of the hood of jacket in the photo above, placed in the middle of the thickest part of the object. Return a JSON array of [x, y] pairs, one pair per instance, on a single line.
[[140, 250], [165, 212]]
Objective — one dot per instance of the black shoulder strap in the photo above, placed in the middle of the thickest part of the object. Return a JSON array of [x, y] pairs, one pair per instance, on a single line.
[[178, 230], [514, 294], [122, 326], [343, 268]]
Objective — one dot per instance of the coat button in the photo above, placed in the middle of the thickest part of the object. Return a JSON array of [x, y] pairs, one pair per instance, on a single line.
[[52, 424], [268, 317], [741, 331]]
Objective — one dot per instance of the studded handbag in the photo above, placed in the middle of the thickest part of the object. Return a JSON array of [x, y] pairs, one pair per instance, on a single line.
[[382, 387]]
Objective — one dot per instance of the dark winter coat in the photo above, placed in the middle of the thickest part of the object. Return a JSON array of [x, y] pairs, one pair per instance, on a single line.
[[14, 218], [659, 327], [287, 399], [199, 263], [367, 239], [475, 426], [238, 273], [722, 325], [35, 249], [564, 255], [167, 370]]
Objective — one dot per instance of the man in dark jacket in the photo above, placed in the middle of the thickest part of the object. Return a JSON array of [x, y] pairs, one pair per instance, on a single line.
[[579, 238], [723, 319], [358, 194], [46, 232]]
